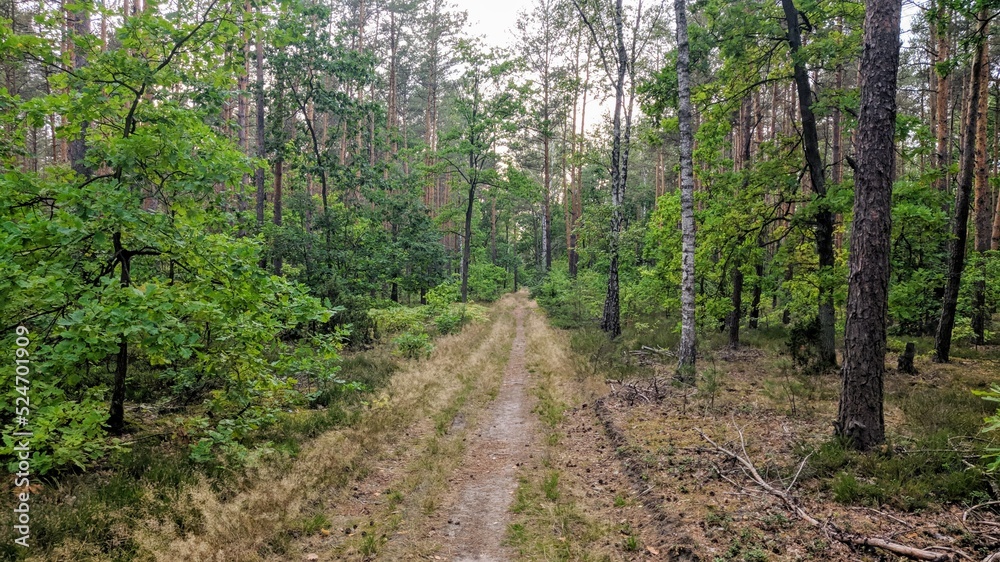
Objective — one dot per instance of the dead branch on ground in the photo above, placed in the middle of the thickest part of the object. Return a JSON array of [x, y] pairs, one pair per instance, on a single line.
[[648, 390], [828, 528]]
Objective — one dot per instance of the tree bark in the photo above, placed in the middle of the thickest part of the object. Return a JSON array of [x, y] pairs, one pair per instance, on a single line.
[[823, 228], [860, 413], [686, 353], [755, 299], [960, 225], [984, 210], [940, 25], [737, 309], [116, 413], [467, 243], [77, 148], [611, 316], [261, 149]]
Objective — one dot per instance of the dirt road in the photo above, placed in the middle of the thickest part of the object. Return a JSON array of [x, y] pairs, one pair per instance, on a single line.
[[478, 507]]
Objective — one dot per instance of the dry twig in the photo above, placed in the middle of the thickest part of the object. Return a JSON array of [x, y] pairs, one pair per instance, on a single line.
[[831, 531]]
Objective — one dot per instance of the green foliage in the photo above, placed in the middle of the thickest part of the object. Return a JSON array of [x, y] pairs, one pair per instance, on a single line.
[[570, 302], [450, 320], [444, 294], [932, 472], [66, 433], [992, 425], [413, 345], [486, 281]]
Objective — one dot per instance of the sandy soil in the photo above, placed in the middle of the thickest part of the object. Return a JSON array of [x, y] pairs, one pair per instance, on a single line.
[[477, 509]]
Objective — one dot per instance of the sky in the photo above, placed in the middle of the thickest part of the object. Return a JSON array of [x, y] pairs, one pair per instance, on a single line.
[[493, 19]]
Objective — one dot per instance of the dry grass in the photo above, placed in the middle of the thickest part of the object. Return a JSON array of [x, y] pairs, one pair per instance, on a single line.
[[739, 523], [577, 506], [263, 521]]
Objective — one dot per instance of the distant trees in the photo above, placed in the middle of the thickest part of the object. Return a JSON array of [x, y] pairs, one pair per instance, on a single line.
[[486, 105]]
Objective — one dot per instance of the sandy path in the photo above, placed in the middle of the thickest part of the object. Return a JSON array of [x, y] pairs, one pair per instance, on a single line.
[[477, 508]]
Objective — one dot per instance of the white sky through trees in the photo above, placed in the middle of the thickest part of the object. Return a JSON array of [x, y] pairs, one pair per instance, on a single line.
[[492, 19]]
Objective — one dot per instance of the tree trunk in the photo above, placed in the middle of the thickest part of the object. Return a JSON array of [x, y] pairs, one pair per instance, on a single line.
[[243, 104], [611, 317], [984, 211], [960, 226], [116, 413], [940, 25], [737, 310], [755, 300], [279, 166], [860, 413], [77, 149], [493, 228], [905, 362], [261, 150], [686, 353], [467, 244], [823, 228]]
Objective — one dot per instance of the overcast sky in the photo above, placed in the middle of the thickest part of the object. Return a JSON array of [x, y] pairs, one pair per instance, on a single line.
[[493, 19]]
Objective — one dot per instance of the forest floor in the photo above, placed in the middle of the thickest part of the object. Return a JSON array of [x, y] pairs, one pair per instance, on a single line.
[[511, 443], [515, 440]]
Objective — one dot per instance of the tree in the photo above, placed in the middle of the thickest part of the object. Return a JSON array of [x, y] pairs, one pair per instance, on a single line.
[[618, 59], [485, 104], [823, 227], [960, 225], [540, 35], [984, 211], [686, 353], [860, 416]]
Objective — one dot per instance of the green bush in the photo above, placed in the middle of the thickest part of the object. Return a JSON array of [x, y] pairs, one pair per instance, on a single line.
[[450, 320], [570, 303], [486, 281], [413, 345], [992, 425]]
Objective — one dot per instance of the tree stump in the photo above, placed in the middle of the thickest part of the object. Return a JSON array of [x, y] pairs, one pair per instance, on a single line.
[[905, 363]]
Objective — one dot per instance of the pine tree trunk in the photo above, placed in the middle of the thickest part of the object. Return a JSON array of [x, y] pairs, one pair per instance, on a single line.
[[984, 211], [860, 416], [77, 149], [261, 150], [960, 225], [686, 353], [943, 93], [279, 166]]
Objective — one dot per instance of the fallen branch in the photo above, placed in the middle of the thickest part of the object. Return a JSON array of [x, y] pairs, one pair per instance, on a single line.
[[829, 529]]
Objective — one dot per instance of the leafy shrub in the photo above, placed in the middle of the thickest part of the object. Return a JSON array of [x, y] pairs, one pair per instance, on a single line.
[[570, 303], [444, 294], [65, 433], [450, 320], [486, 281], [396, 319], [992, 425], [413, 345]]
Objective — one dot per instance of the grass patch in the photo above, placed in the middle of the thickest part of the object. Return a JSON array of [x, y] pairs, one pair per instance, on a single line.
[[906, 478]]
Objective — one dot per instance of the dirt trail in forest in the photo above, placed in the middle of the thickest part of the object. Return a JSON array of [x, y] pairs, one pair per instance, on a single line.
[[477, 507]]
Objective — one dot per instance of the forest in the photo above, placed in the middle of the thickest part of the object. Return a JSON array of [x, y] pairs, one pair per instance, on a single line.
[[624, 280]]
